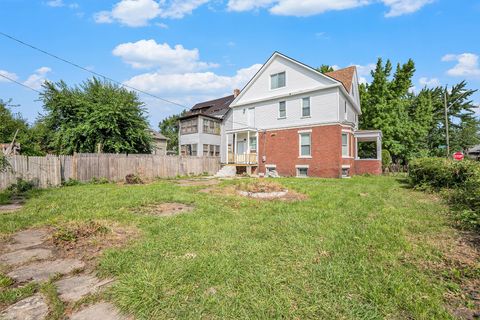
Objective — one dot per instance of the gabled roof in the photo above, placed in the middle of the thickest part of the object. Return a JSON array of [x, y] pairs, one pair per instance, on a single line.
[[216, 108], [345, 76], [158, 135], [342, 74]]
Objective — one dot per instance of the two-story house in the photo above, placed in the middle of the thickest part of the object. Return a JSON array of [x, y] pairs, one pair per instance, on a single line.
[[201, 129], [299, 122]]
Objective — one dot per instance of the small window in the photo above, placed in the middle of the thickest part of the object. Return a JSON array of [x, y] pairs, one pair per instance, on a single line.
[[345, 110], [306, 107], [253, 144], [305, 144], [217, 151], [205, 150], [302, 172], [277, 80], [282, 109], [345, 152], [345, 172]]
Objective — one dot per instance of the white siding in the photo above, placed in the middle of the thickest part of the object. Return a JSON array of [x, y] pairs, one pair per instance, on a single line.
[[323, 109], [298, 78], [200, 138], [226, 125]]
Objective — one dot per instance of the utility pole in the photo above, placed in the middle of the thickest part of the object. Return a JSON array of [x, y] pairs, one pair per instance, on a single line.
[[446, 124]]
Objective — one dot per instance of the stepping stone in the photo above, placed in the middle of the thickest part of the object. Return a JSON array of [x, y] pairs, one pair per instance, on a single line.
[[27, 238], [99, 311], [32, 308], [41, 271], [8, 208], [76, 287], [24, 255]]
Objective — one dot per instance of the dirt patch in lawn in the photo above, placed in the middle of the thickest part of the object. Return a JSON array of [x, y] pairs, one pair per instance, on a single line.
[[165, 209], [459, 262], [196, 182], [260, 190]]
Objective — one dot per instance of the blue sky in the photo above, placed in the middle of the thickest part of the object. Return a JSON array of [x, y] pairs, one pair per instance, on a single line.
[[193, 50]]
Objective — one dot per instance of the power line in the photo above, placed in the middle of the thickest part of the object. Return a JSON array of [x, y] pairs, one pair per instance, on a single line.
[[86, 70], [19, 83], [89, 71]]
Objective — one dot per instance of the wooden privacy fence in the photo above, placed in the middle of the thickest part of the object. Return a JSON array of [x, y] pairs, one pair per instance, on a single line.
[[53, 170]]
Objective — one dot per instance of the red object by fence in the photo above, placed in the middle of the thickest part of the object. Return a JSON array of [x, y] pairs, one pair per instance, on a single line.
[[458, 156]]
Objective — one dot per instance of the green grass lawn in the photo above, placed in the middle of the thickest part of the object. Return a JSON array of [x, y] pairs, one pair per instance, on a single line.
[[355, 249]]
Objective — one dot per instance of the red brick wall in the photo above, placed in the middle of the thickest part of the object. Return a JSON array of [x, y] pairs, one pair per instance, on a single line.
[[281, 147], [368, 166]]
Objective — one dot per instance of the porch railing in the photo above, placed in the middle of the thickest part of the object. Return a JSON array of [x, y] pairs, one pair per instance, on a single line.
[[247, 158]]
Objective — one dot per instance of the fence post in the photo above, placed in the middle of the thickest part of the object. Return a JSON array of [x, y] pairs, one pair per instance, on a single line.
[[74, 166]]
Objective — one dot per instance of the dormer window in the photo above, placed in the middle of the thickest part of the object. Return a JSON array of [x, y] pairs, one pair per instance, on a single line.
[[277, 80]]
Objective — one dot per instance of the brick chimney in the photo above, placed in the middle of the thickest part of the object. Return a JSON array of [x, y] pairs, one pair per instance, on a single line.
[[236, 92]]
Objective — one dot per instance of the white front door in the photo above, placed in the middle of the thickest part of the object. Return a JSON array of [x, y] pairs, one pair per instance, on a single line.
[[241, 147]]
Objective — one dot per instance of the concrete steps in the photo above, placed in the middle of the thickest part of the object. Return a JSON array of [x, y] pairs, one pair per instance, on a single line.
[[226, 171]]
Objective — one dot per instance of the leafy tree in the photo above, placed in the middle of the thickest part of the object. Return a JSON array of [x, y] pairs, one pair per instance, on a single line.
[[413, 125], [325, 68], [10, 123], [95, 115], [169, 128]]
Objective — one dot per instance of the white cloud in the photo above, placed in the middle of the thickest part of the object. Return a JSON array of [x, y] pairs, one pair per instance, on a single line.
[[467, 65], [364, 72], [133, 13], [138, 13], [179, 8], [429, 82], [61, 3], [149, 54], [313, 7], [402, 7], [192, 84], [37, 79], [7, 74]]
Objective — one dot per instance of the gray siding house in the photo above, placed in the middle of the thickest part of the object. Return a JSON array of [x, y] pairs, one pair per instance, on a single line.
[[201, 128]]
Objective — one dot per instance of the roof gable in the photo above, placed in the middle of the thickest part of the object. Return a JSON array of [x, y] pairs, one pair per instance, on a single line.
[[299, 77]]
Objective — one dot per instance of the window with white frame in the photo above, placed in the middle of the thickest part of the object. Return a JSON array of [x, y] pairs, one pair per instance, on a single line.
[[345, 114], [282, 109], [277, 80], [302, 171], [306, 107], [345, 149], [305, 144], [253, 144]]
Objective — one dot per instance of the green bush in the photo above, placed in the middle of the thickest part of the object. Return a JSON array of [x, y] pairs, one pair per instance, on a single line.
[[461, 180], [386, 159], [21, 186]]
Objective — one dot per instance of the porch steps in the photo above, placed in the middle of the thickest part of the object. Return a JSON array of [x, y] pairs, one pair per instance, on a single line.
[[226, 171]]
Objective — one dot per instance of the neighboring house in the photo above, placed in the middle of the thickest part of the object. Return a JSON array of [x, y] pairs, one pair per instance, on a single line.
[[8, 149], [159, 143], [474, 153], [297, 121], [201, 129]]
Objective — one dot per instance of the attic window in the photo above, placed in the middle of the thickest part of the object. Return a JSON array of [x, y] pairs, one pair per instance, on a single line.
[[277, 80]]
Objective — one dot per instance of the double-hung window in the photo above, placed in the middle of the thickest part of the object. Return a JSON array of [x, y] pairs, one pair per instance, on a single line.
[[253, 144], [345, 151], [277, 80], [306, 107], [282, 109], [305, 144]]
